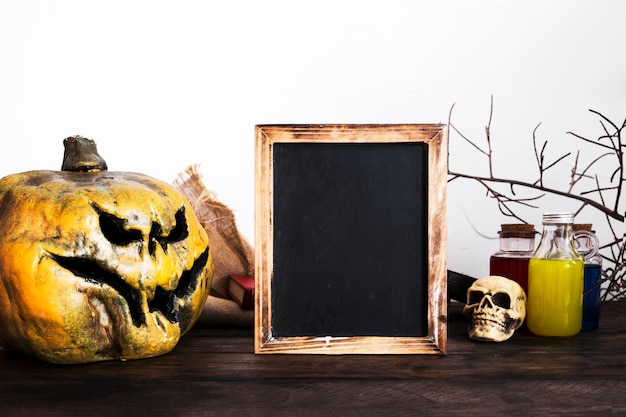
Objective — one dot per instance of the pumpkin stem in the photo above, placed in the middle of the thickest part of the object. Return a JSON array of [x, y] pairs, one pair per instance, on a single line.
[[81, 155]]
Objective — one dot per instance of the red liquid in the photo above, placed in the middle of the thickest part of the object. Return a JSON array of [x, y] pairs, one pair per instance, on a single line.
[[511, 268]]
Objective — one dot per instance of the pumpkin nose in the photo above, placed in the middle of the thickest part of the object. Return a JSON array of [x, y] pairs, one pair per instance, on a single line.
[[166, 270], [179, 232]]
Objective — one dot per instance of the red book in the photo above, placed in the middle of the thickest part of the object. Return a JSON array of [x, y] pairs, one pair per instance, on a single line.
[[241, 289]]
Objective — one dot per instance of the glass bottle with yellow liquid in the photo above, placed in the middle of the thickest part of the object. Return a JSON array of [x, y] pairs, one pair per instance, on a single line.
[[555, 280]]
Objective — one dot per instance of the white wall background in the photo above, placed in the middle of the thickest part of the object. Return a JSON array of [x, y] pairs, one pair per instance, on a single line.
[[161, 85]]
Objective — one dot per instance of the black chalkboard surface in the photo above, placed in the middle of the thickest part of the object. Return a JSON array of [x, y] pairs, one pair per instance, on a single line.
[[371, 195], [350, 239]]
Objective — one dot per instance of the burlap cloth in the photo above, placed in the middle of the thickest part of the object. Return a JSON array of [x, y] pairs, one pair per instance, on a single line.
[[231, 253]]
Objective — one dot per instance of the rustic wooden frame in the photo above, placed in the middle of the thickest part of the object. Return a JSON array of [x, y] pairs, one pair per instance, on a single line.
[[436, 138]]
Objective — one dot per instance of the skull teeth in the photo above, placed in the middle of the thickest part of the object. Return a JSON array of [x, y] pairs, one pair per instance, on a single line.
[[484, 321]]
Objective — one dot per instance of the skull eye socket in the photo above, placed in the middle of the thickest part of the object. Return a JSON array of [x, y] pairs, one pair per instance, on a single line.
[[502, 299], [474, 297]]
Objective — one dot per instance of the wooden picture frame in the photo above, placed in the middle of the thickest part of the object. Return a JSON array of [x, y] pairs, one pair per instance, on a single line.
[[351, 239]]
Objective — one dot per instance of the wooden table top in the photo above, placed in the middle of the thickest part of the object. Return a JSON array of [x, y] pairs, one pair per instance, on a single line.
[[214, 371]]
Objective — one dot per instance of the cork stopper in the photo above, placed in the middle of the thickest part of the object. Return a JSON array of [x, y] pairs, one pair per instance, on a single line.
[[517, 230], [582, 226]]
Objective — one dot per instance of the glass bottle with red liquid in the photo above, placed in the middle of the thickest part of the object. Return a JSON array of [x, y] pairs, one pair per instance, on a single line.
[[517, 244]]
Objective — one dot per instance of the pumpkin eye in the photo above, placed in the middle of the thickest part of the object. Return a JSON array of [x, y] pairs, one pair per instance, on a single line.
[[179, 232], [113, 228]]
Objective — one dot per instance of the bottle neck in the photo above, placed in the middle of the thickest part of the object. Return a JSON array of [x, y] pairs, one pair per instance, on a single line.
[[517, 245], [557, 242]]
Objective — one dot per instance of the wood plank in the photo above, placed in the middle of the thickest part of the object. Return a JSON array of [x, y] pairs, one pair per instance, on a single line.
[[215, 372]]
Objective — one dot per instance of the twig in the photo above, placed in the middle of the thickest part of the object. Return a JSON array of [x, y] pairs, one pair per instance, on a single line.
[[614, 270]]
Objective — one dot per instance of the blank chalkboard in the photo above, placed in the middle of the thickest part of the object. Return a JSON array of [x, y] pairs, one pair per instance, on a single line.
[[350, 239]]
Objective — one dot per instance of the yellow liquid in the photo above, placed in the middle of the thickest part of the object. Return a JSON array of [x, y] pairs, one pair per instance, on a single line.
[[555, 297]]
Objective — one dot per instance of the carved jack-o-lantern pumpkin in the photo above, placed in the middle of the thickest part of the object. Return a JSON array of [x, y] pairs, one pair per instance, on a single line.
[[97, 265]]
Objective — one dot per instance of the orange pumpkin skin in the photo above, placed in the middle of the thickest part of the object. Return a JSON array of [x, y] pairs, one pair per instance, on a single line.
[[98, 265]]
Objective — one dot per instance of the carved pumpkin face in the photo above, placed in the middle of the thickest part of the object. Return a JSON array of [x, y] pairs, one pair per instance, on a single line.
[[98, 265]]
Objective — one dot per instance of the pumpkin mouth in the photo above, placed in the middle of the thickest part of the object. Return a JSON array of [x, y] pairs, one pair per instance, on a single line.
[[163, 301]]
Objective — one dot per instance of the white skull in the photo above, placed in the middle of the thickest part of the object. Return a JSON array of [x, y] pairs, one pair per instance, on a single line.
[[496, 307]]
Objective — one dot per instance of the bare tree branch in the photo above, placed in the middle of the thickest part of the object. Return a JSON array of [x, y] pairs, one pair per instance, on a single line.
[[607, 197]]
